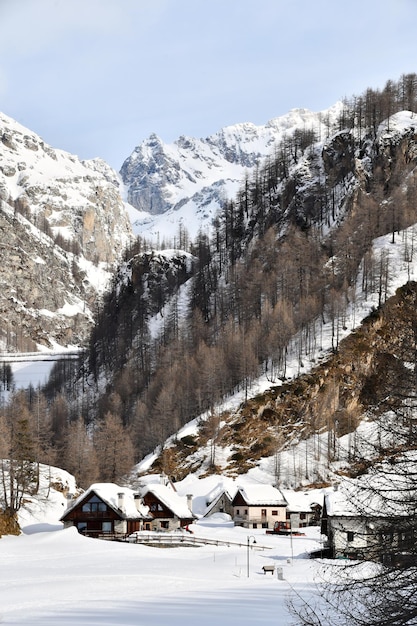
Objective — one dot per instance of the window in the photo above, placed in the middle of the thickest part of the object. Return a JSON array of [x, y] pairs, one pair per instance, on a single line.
[[350, 535], [274, 512], [93, 507], [81, 527], [405, 539], [106, 527], [302, 515], [164, 524], [237, 512]]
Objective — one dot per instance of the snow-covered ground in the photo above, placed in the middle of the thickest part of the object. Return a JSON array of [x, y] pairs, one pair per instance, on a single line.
[[34, 368], [61, 577], [50, 575]]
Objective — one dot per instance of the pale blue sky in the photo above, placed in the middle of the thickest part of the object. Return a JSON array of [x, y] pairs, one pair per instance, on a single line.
[[96, 77]]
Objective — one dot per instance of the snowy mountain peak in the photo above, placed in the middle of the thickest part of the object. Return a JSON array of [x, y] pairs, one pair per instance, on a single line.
[[187, 181]]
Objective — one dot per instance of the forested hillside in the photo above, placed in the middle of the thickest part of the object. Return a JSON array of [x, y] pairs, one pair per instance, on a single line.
[[182, 330]]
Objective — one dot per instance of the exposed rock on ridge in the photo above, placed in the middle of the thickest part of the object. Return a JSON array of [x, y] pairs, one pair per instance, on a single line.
[[63, 224]]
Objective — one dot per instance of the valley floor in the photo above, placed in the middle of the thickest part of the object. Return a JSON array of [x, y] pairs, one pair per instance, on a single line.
[[51, 576]]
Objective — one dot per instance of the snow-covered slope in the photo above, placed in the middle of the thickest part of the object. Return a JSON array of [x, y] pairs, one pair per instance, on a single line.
[[64, 578], [42, 511], [185, 183]]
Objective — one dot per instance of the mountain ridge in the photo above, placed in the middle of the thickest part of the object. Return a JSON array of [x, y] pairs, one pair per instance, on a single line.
[[327, 199]]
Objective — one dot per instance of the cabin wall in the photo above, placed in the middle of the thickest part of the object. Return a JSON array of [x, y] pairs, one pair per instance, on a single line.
[[377, 539], [258, 516], [167, 524], [347, 537], [301, 520]]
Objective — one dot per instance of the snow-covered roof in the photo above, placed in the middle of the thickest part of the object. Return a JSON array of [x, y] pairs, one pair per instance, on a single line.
[[213, 501], [257, 495], [219, 490], [205, 490], [170, 498], [155, 479], [130, 507], [387, 490], [303, 501]]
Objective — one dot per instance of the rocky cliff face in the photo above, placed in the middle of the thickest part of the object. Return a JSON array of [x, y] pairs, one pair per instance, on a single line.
[[63, 224]]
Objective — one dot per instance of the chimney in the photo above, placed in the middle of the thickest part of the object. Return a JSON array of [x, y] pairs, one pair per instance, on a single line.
[[190, 501], [121, 500], [70, 499], [137, 499]]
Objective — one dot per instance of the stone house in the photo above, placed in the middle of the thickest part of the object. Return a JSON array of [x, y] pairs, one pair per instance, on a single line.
[[220, 503], [304, 508]]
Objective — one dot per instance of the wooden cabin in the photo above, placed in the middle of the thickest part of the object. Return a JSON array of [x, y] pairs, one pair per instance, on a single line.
[[169, 511], [106, 509]]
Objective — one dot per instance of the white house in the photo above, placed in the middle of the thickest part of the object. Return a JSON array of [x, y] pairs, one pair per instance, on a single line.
[[372, 517], [258, 506]]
